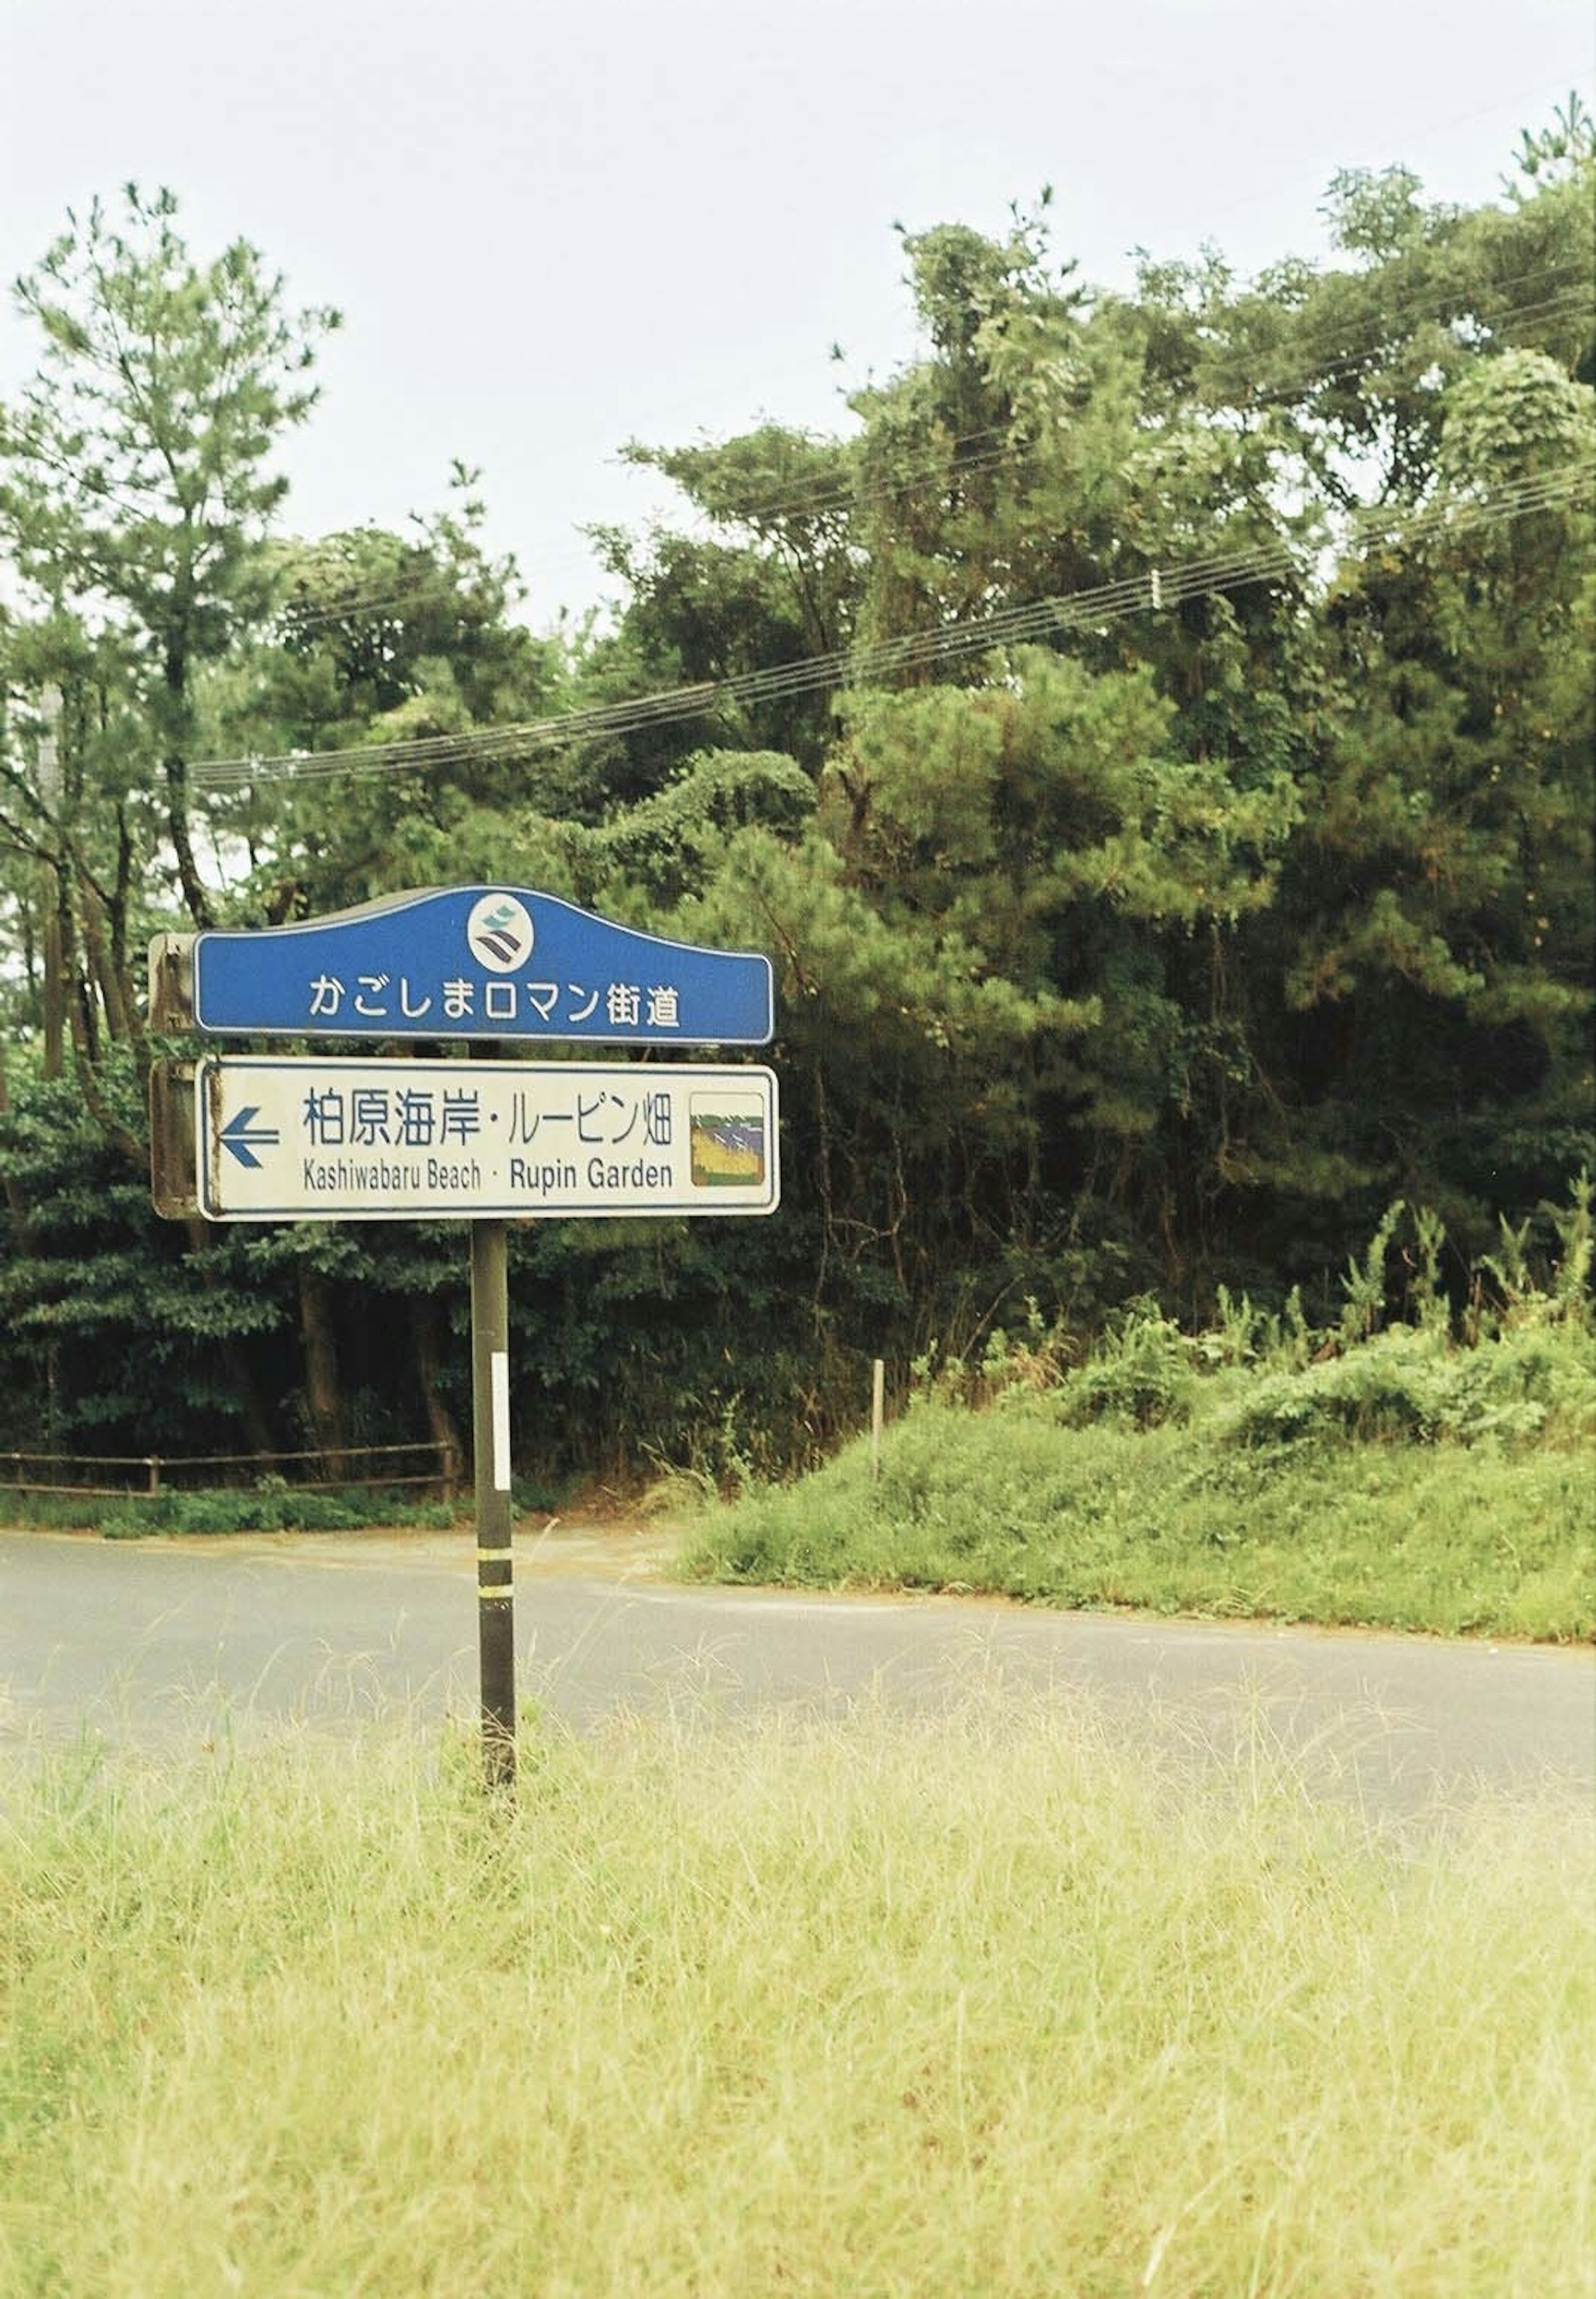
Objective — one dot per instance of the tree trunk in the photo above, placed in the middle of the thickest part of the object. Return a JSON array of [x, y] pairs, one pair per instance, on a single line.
[[442, 1426], [257, 1429], [115, 993], [53, 961], [14, 1203], [257, 1426], [177, 822], [116, 914], [176, 767], [324, 1398]]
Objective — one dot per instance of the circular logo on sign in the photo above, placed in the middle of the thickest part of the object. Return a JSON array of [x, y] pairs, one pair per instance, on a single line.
[[499, 932]]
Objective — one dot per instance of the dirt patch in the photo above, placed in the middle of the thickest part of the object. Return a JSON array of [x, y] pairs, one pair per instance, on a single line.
[[613, 1549], [607, 1549]]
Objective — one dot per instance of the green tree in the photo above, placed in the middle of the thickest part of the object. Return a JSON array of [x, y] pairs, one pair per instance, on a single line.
[[1441, 895], [773, 586], [136, 479], [376, 640]]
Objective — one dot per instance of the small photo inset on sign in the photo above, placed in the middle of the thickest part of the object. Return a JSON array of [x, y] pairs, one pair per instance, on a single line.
[[727, 1134]]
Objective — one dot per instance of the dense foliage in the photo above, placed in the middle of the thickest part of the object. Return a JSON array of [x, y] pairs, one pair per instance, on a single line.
[[1154, 746]]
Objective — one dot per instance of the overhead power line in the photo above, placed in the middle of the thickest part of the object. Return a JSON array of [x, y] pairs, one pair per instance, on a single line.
[[967, 453], [1149, 591]]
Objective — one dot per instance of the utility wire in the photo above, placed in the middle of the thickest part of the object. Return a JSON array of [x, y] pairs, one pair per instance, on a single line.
[[1039, 619], [818, 497], [1143, 593]]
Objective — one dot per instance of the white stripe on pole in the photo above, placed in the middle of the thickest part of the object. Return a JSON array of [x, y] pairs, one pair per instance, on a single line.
[[500, 1405]]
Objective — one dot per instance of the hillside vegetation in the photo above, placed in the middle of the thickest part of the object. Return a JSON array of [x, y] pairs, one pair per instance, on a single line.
[[1411, 1478]]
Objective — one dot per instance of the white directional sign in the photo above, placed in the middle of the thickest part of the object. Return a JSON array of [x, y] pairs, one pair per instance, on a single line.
[[307, 1139]]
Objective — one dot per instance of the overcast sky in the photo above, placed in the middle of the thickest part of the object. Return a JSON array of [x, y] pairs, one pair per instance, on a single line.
[[555, 228]]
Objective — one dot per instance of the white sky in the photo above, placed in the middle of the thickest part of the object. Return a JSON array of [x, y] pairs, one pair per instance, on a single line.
[[552, 228]]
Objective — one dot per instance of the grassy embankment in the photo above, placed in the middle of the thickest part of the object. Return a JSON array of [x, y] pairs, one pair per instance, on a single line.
[[1399, 1480], [990, 2006]]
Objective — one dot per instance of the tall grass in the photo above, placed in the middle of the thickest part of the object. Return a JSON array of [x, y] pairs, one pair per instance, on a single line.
[[985, 2006], [1484, 1539], [1420, 1477]]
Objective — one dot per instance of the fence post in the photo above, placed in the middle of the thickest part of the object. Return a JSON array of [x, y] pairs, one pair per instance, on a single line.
[[154, 1465]]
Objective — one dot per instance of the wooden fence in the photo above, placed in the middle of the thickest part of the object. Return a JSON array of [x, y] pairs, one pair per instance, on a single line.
[[329, 1470]]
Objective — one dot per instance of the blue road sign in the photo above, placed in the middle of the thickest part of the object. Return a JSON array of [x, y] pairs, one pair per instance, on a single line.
[[477, 962]]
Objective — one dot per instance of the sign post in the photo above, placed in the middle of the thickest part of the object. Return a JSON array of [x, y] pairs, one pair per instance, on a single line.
[[495, 1557], [372, 1138]]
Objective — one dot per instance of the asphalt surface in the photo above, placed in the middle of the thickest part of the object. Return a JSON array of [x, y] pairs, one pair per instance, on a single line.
[[152, 1643]]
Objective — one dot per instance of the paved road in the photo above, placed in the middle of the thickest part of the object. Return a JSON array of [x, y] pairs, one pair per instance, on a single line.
[[149, 1642]]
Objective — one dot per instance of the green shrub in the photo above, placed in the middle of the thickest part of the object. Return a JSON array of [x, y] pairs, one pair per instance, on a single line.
[[1535, 1380], [274, 1508], [1143, 1371]]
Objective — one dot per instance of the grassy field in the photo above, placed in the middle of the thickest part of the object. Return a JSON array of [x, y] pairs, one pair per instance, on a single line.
[[988, 2006]]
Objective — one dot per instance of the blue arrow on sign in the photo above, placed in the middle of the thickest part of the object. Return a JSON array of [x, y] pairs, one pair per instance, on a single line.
[[244, 1140]]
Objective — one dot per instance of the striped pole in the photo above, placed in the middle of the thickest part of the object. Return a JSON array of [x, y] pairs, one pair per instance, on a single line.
[[496, 1579]]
